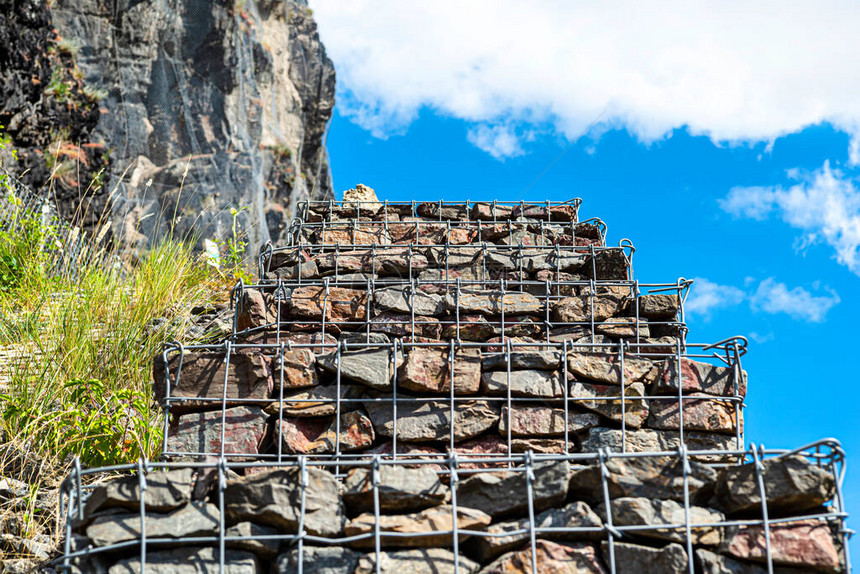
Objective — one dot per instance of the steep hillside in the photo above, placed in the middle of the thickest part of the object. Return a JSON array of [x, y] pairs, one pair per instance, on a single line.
[[188, 108]]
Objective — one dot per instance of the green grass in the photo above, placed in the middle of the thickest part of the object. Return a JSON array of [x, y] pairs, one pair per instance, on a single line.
[[85, 389], [76, 353]]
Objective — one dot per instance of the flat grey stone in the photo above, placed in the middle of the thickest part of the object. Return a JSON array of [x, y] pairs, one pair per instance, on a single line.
[[538, 384], [189, 561], [505, 493], [416, 561], [273, 498], [164, 491], [573, 515], [406, 300], [792, 485], [636, 559], [317, 560], [196, 518], [534, 360], [400, 489]]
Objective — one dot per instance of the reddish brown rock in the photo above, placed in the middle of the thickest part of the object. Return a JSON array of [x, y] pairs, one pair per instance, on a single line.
[[659, 305], [200, 433], [298, 369], [527, 421], [340, 304], [472, 328], [492, 302], [434, 523], [410, 451], [491, 211], [395, 262], [537, 384], [203, 375], [607, 401], [573, 515], [565, 213], [580, 309], [316, 401], [552, 558], [362, 234], [606, 368], [623, 328], [319, 436], [699, 377], [429, 371], [423, 421], [255, 309], [403, 325], [706, 414], [806, 543], [483, 446]]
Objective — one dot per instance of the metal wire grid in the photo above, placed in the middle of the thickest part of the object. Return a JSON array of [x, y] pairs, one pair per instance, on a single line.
[[561, 260], [70, 249], [727, 353], [541, 323], [565, 211], [825, 453], [431, 231]]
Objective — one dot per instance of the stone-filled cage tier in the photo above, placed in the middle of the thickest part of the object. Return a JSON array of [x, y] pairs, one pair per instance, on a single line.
[[457, 387]]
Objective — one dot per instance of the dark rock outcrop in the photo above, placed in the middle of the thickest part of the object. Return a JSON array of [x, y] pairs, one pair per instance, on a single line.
[[189, 108]]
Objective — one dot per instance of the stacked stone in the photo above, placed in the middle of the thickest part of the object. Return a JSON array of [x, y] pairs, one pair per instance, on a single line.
[[459, 387], [550, 345]]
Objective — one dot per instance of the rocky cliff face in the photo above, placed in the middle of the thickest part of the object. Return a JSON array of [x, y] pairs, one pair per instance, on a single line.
[[172, 112]]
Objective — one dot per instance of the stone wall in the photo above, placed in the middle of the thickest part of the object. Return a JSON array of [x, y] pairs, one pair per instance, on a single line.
[[429, 385]]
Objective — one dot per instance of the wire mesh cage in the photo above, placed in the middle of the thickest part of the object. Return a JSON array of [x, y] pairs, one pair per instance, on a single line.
[[595, 512]]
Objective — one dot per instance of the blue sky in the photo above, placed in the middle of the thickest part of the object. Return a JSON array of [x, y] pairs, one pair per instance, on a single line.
[[727, 153]]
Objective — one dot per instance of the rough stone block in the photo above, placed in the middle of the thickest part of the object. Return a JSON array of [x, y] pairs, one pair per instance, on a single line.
[[573, 515], [417, 561], [538, 384], [340, 304], [431, 420], [200, 433], [189, 561], [698, 377], [528, 421], [504, 493], [319, 435], [273, 498], [659, 477], [492, 302], [792, 485], [551, 557], [203, 375], [317, 560], [632, 511], [636, 559], [707, 414], [429, 371], [807, 544], [196, 518], [427, 529], [606, 400], [606, 368], [404, 299], [400, 489], [164, 491]]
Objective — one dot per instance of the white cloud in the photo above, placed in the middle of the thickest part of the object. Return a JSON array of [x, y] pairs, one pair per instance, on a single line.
[[774, 297], [737, 71], [770, 296], [825, 204], [499, 141], [706, 296]]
